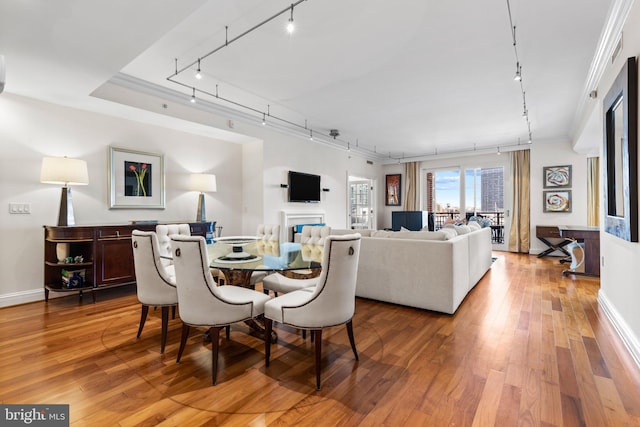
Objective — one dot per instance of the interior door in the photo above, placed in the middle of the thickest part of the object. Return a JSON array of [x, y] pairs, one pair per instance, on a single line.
[[361, 204]]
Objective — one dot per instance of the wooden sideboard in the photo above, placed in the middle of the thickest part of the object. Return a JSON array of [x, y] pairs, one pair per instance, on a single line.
[[107, 257]]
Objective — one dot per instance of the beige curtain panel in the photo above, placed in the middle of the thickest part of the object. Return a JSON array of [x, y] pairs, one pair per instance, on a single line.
[[593, 191], [412, 176], [519, 235]]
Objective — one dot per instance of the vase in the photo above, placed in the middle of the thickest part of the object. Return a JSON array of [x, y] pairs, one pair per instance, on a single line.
[[62, 251]]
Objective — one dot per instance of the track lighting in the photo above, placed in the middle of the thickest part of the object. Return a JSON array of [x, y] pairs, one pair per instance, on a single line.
[[529, 140], [193, 96], [198, 74], [499, 150], [264, 119], [518, 76], [311, 135], [290, 25]]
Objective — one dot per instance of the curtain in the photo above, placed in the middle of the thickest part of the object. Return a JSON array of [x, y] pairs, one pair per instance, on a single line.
[[519, 235], [593, 191], [412, 176]]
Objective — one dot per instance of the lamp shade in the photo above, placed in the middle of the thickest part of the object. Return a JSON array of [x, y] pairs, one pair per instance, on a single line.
[[203, 182], [62, 170]]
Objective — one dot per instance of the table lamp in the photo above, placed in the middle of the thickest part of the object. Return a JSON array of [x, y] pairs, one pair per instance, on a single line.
[[204, 183], [65, 171]]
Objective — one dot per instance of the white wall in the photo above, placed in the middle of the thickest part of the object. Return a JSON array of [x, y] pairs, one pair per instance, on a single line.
[[31, 130], [620, 266], [556, 154], [248, 176]]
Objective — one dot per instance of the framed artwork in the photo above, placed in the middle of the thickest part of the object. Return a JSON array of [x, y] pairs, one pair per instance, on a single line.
[[557, 200], [620, 154], [393, 190], [136, 179], [557, 176]]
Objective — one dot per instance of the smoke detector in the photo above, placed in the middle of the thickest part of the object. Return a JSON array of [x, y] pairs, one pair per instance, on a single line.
[[334, 133]]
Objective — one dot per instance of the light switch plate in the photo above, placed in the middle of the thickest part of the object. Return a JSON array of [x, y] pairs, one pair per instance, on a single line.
[[19, 208]]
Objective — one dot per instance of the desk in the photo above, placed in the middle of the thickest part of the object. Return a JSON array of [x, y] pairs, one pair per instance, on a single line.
[[590, 235], [545, 232]]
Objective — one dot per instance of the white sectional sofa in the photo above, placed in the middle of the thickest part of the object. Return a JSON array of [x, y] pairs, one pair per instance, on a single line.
[[429, 270]]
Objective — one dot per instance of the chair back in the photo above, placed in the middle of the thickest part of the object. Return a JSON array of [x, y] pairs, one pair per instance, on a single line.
[[333, 300], [200, 300], [268, 232], [314, 234], [164, 231], [154, 285]]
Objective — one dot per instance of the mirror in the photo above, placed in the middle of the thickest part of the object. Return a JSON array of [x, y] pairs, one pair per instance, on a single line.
[[621, 155]]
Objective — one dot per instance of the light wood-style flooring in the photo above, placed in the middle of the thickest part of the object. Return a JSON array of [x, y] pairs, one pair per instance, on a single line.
[[526, 347]]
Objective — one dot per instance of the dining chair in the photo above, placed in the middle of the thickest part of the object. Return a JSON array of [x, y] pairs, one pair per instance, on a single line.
[[268, 235], [202, 303], [311, 236], [331, 303], [155, 286]]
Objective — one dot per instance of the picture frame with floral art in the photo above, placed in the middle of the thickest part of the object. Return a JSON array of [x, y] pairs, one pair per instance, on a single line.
[[136, 179]]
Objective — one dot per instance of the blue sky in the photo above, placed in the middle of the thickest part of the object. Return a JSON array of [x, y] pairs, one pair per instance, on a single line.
[[448, 187]]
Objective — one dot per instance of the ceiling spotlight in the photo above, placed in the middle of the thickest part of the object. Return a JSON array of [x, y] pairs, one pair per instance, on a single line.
[[529, 141], [518, 75], [264, 120], [290, 25], [198, 74], [193, 97], [499, 150], [311, 135]]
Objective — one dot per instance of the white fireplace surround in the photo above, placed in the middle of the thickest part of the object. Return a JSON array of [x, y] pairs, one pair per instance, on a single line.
[[290, 218]]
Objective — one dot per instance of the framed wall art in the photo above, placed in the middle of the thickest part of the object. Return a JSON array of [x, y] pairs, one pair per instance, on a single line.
[[393, 190], [136, 179], [620, 154], [557, 200], [557, 176]]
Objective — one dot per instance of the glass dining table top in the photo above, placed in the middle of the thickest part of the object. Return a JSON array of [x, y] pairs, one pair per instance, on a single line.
[[253, 254]]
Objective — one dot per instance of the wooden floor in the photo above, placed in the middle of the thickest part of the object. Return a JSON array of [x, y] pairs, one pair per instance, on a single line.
[[526, 347]]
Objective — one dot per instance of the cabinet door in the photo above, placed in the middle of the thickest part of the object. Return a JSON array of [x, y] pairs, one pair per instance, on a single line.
[[114, 263]]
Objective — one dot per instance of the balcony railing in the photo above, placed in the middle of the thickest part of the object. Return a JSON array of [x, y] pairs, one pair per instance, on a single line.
[[497, 222]]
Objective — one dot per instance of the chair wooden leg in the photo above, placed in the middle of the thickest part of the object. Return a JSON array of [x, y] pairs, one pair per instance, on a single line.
[[318, 338], [215, 343], [183, 340], [173, 311], [304, 334], [228, 331], [143, 318], [268, 326], [351, 340], [165, 325]]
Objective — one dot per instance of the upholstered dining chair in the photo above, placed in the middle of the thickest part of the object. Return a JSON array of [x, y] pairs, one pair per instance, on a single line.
[[267, 234], [155, 285], [331, 303], [278, 283], [202, 303]]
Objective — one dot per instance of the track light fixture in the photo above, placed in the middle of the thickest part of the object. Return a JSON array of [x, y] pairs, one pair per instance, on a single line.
[[198, 73], [193, 96], [311, 135], [498, 151], [290, 25], [518, 76]]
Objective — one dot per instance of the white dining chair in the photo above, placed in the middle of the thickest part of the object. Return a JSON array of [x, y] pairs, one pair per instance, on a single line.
[[331, 303], [154, 285], [202, 303]]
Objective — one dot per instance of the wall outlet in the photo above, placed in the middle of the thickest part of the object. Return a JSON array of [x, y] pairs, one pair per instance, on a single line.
[[19, 208]]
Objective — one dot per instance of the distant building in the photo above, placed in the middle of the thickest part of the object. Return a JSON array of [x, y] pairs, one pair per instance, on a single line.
[[492, 193]]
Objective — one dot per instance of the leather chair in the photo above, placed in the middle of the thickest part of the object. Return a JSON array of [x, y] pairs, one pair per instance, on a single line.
[[155, 286], [331, 303], [312, 239], [202, 303]]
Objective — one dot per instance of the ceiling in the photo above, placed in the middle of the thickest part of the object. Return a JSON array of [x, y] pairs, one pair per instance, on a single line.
[[400, 79]]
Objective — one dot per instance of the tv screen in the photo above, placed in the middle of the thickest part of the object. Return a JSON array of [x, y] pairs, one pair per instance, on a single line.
[[304, 187]]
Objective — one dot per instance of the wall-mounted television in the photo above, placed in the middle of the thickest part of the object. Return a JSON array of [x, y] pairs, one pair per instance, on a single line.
[[304, 187]]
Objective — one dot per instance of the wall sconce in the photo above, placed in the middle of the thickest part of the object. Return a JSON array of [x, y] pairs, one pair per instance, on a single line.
[[65, 171], [204, 183]]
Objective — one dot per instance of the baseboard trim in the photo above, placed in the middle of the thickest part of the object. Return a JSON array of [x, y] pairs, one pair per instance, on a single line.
[[22, 297], [621, 327]]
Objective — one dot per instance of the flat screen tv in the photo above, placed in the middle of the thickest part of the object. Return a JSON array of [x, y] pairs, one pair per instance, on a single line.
[[304, 187]]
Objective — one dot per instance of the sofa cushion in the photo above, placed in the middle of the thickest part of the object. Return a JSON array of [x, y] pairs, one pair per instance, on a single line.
[[419, 235], [460, 229], [474, 225], [449, 233]]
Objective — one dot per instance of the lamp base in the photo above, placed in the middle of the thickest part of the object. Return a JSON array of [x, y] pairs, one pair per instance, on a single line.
[[201, 215], [65, 216]]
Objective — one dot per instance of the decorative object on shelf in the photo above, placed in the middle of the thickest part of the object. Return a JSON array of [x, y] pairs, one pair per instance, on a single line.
[[62, 251], [204, 183], [557, 200], [557, 176], [65, 171], [136, 179], [393, 188], [620, 154]]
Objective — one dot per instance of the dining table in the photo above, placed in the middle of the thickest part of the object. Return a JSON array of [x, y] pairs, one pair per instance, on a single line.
[[238, 257]]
